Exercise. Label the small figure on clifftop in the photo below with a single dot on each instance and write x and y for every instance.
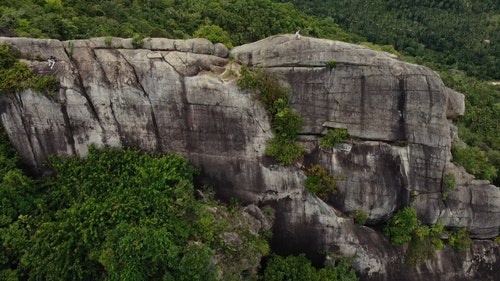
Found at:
(297, 35)
(52, 62)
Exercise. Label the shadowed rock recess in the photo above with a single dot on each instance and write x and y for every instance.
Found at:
(181, 96)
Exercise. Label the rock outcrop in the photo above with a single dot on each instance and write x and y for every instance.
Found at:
(181, 96)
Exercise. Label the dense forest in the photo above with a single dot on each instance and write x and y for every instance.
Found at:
(461, 34)
(64, 218)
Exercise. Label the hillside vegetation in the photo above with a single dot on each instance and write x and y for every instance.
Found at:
(85, 224)
(459, 34)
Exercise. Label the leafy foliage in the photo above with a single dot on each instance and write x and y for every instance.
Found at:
(118, 214)
(320, 182)
(475, 162)
(331, 64)
(457, 34)
(137, 41)
(16, 76)
(284, 151)
(449, 181)
(76, 19)
(401, 226)
(333, 137)
(297, 268)
(360, 217)
(423, 241)
(479, 127)
(460, 240)
(214, 33)
(285, 124)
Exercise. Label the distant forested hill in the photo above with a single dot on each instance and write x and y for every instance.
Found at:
(464, 34)
(235, 22)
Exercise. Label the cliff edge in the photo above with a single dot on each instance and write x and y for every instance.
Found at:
(181, 96)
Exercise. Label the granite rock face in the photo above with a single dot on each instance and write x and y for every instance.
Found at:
(181, 96)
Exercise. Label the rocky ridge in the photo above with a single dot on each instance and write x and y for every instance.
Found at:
(181, 96)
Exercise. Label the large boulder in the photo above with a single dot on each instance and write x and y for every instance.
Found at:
(182, 96)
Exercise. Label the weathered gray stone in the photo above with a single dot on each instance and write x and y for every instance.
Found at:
(221, 50)
(174, 95)
(159, 44)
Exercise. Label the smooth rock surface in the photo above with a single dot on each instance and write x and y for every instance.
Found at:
(174, 95)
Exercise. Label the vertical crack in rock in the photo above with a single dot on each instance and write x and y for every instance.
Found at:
(118, 126)
(27, 129)
(68, 128)
(153, 115)
(401, 109)
(190, 143)
(431, 101)
(185, 110)
(83, 91)
(362, 104)
(91, 105)
(108, 82)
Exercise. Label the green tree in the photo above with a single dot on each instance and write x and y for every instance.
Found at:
(298, 268)
(117, 214)
(401, 226)
(214, 33)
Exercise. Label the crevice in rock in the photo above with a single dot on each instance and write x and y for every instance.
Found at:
(402, 110)
(85, 94)
(185, 105)
(153, 115)
(362, 103)
(67, 128)
(27, 131)
(118, 126)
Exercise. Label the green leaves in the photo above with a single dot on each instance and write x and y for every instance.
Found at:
(299, 268)
(320, 182)
(475, 161)
(16, 76)
(285, 124)
(423, 240)
(401, 226)
(119, 214)
(214, 33)
(333, 137)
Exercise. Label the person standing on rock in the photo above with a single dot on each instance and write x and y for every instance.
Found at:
(52, 62)
(297, 35)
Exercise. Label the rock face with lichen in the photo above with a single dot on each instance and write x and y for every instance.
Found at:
(182, 96)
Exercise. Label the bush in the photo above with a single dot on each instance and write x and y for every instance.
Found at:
(108, 40)
(460, 240)
(47, 85)
(285, 124)
(449, 181)
(360, 217)
(319, 182)
(7, 59)
(137, 41)
(475, 162)
(215, 34)
(119, 215)
(284, 151)
(331, 64)
(16, 77)
(401, 226)
(424, 243)
(299, 268)
(333, 137)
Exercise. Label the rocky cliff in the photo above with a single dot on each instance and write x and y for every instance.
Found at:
(182, 96)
